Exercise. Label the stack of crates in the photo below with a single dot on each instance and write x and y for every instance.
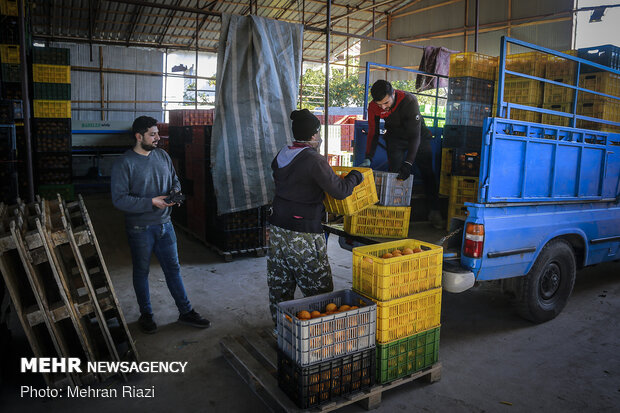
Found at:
(51, 124)
(189, 146)
(11, 115)
(471, 85)
(329, 351)
(406, 286)
(600, 81)
(390, 217)
(559, 98)
(462, 189)
(521, 90)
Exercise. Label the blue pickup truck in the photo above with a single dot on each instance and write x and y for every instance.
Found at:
(548, 201)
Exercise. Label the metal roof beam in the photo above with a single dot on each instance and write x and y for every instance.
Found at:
(134, 20)
(342, 16)
(169, 16)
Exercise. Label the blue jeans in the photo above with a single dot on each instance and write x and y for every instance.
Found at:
(161, 240)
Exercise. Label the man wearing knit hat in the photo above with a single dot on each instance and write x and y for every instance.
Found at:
(298, 249)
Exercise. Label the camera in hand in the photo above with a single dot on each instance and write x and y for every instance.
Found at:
(175, 197)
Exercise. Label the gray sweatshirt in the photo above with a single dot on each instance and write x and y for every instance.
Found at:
(136, 179)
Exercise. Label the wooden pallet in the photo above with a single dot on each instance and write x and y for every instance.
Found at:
(254, 357)
(227, 255)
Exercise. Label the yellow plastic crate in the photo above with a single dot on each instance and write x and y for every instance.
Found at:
(522, 91)
(379, 221)
(446, 159)
(444, 183)
(408, 315)
(52, 108)
(608, 110)
(51, 73)
(560, 68)
(9, 7)
(530, 63)
(557, 120)
(473, 64)
(9, 53)
(463, 189)
(364, 195)
(604, 82)
(390, 278)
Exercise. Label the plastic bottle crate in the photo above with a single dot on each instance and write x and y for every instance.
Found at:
(54, 177)
(325, 382)
(392, 191)
(467, 113)
(554, 94)
(403, 317)
(608, 110)
(473, 64)
(52, 91)
(390, 278)
(558, 67)
(51, 56)
(53, 161)
(52, 127)
(523, 91)
(51, 73)
(327, 337)
(604, 82)
(607, 55)
(364, 194)
(446, 159)
(465, 162)
(445, 179)
(11, 72)
(557, 120)
(52, 108)
(379, 221)
(9, 8)
(461, 136)
(530, 63)
(67, 191)
(407, 356)
(9, 53)
(470, 89)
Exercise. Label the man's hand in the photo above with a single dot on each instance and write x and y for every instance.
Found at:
(404, 171)
(159, 202)
(365, 163)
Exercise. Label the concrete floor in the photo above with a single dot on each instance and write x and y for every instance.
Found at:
(493, 361)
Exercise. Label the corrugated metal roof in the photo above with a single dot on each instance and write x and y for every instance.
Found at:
(173, 23)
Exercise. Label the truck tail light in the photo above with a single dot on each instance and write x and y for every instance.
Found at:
(474, 240)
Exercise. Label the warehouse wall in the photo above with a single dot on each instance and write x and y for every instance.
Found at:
(125, 95)
(444, 26)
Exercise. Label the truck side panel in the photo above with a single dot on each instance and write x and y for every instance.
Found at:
(515, 234)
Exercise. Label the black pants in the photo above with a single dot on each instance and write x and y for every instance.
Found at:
(396, 152)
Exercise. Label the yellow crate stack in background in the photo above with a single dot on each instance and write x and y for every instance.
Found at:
(407, 290)
(463, 189)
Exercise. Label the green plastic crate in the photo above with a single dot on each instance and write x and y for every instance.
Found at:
(408, 355)
(50, 56)
(52, 91)
(67, 191)
(11, 72)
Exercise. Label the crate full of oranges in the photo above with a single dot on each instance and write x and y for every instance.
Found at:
(326, 326)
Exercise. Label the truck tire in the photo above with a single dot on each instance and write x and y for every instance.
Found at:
(545, 289)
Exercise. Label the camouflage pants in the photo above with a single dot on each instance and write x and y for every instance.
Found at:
(296, 258)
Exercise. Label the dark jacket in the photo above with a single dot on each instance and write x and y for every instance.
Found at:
(302, 176)
(403, 122)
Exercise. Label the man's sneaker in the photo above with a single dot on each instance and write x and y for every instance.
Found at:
(435, 219)
(194, 319)
(146, 323)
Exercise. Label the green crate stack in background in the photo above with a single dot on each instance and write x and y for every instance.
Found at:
(51, 74)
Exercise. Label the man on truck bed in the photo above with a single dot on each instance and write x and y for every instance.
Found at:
(406, 134)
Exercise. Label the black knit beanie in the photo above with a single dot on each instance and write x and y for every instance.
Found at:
(305, 124)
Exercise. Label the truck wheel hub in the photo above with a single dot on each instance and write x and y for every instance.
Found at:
(550, 281)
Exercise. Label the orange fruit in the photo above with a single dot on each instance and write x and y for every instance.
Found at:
(315, 314)
(397, 254)
(397, 251)
(288, 318)
(354, 307)
(344, 307)
(368, 260)
(407, 251)
(387, 255)
(303, 315)
(323, 314)
(417, 249)
(330, 307)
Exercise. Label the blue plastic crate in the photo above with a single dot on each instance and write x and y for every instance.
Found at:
(608, 55)
(467, 113)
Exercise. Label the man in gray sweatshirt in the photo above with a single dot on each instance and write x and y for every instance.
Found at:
(142, 178)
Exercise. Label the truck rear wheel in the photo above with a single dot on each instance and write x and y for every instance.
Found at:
(545, 289)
